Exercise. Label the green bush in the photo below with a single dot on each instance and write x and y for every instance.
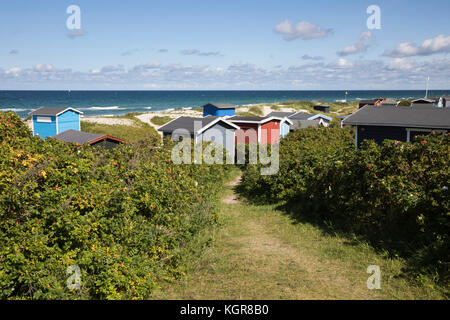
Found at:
(404, 103)
(395, 195)
(123, 215)
(300, 152)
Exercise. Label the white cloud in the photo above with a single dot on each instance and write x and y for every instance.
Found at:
(344, 63)
(400, 64)
(150, 85)
(431, 46)
(76, 33)
(360, 46)
(43, 67)
(308, 57)
(13, 71)
(129, 52)
(304, 30)
(401, 73)
(190, 52)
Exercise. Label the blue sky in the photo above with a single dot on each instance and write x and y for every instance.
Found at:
(171, 44)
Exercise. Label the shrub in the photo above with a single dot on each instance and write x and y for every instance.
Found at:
(12, 127)
(395, 195)
(300, 152)
(122, 215)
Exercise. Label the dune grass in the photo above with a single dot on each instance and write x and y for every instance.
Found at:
(138, 131)
(255, 110)
(160, 120)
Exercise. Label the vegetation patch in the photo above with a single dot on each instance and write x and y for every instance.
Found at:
(139, 131)
(395, 196)
(256, 110)
(160, 120)
(125, 217)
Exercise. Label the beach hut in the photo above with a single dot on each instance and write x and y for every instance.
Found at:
(402, 124)
(285, 126)
(93, 139)
(219, 109)
(259, 129)
(49, 121)
(295, 116)
(323, 119)
(322, 108)
(302, 124)
(208, 129)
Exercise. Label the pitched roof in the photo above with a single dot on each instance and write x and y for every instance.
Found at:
(427, 106)
(193, 125)
(301, 116)
(308, 116)
(280, 114)
(368, 101)
(221, 105)
(437, 118)
(259, 120)
(246, 118)
(52, 111)
(299, 124)
(82, 137)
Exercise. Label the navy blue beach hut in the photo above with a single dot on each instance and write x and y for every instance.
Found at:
(49, 121)
(219, 109)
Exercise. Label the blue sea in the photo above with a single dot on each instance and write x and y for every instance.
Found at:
(94, 103)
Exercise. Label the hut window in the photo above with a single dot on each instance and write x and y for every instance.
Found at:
(44, 119)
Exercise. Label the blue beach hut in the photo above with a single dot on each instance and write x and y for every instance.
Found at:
(219, 109)
(49, 121)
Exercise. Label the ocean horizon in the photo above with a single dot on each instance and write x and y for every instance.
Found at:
(114, 102)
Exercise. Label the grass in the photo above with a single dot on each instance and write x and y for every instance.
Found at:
(336, 108)
(339, 108)
(246, 114)
(259, 252)
(405, 103)
(255, 110)
(138, 131)
(160, 120)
